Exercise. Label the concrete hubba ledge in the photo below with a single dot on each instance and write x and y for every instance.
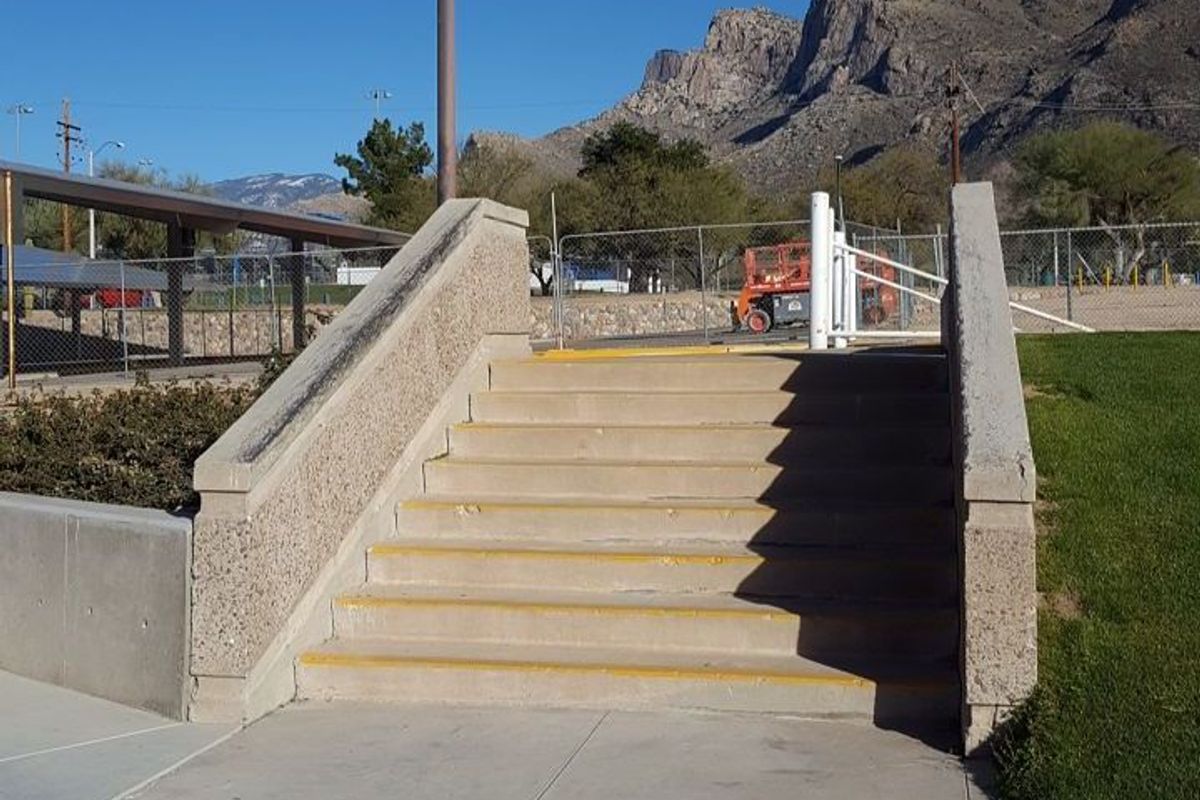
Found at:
(997, 483)
(95, 598)
(310, 475)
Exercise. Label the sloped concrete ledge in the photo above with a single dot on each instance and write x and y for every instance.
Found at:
(95, 598)
(311, 466)
(997, 479)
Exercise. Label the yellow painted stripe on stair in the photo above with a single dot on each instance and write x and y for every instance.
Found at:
(589, 608)
(689, 350)
(586, 508)
(399, 551)
(353, 661)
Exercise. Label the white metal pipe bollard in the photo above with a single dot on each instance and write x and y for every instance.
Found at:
(822, 267)
(840, 267)
(850, 293)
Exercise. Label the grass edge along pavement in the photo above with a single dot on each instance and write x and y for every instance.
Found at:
(1115, 422)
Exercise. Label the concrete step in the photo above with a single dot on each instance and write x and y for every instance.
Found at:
(910, 445)
(878, 573)
(666, 621)
(677, 522)
(864, 372)
(878, 409)
(651, 480)
(524, 675)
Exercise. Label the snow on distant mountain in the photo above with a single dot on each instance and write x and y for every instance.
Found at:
(277, 190)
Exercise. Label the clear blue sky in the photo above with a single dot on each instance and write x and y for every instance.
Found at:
(224, 89)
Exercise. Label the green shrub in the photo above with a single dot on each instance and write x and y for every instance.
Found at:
(134, 447)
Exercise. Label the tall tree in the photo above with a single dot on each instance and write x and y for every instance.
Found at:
(905, 184)
(1108, 173)
(390, 170)
(642, 181)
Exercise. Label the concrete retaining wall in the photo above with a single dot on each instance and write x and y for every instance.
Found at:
(997, 483)
(602, 316)
(95, 598)
(295, 489)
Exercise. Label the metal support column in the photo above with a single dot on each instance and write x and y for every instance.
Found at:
(181, 244)
(822, 252)
(10, 286)
(447, 104)
(703, 284)
(299, 292)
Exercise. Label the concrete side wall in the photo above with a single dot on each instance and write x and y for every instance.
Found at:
(291, 480)
(95, 598)
(997, 479)
(597, 316)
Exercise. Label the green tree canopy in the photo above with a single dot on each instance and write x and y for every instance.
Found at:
(905, 184)
(390, 171)
(639, 181)
(1108, 173)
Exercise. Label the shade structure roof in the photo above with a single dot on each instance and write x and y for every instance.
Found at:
(34, 266)
(192, 211)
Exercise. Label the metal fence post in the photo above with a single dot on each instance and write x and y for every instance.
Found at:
(124, 321)
(10, 289)
(1070, 266)
(703, 284)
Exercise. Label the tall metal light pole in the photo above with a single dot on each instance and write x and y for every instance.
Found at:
(91, 174)
(378, 95)
(18, 111)
(447, 122)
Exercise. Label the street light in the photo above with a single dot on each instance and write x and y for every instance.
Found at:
(91, 174)
(18, 111)
(378, 95)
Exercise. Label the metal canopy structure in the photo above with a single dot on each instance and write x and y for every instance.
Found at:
(190, 211)
(184, 214)
(34, 266)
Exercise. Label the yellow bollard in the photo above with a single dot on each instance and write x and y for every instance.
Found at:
(1137, 277)
(1107, 277)
(1167, 274)
(1081, 279)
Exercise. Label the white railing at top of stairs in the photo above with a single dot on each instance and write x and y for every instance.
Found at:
(835, 280)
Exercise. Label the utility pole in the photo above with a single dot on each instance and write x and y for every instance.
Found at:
(447, 122)
(67, 132)
(953, 84)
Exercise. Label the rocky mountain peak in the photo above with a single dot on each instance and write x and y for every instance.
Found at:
(777, 98)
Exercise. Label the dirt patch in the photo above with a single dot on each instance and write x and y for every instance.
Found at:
(1064, 605)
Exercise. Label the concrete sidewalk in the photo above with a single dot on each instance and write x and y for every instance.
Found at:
(58, 744)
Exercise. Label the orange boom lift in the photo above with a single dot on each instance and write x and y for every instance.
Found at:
(778, 289)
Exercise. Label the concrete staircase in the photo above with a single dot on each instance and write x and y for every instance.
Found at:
(768, 533)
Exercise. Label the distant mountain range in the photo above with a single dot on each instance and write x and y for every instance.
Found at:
(316, 193)
(276, 190)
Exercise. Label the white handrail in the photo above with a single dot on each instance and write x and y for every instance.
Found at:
(908, 289)
(896, 265)
(1050, 317)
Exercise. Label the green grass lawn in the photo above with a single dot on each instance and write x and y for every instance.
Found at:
(1115, 421)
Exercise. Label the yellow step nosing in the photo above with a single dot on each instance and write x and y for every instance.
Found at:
(715, 560)
(574, 427)
(676, 673)
(589, 508)
(599, 610)
(618, 354)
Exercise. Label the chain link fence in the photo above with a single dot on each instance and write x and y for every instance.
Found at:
(660, 282)
(74, 315)
(1117, 278)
